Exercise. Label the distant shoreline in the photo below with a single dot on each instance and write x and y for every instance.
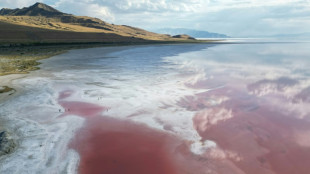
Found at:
(17, 60)
(21, 58)
(87, 44)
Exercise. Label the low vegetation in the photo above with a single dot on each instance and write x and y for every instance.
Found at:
(5, 89)
(20, 60)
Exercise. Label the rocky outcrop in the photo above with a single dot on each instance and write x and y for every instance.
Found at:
(7, 144)
(5, 89)
(38, 9)
(183, 36)
(191, 32)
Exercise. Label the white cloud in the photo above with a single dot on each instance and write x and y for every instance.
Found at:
(288, 22)
(151, 6)
(17, 3)
(232, 17)
(220, 4)
(85, 8)
(198, 6)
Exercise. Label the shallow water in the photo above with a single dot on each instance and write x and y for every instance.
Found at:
(192, 108)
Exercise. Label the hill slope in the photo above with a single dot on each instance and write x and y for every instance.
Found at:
(10, 33)
(44, 24)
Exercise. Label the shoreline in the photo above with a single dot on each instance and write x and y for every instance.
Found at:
(9, 90)
(20, 58)
(8, 139)
(6, 81)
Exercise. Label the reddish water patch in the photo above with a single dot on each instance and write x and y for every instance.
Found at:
(81, 108)
(303, 96)
(109, 146)
(65, 94)
(256, 137)
(278, 84)
(112, 146)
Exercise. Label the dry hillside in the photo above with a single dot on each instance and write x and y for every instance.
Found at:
(41, 23)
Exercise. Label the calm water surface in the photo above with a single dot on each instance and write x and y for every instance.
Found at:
(202, 108)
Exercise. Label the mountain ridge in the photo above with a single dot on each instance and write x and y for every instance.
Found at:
(39, 22)
(41, 9)
(191, 32)
(38, 9)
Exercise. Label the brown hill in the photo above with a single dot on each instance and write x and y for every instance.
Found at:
(10, 33)
(38, 9)
(41, 23)
(183, 36)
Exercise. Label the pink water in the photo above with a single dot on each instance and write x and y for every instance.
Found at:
(254, 108)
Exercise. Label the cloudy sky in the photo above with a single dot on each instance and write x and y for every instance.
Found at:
(232, 17)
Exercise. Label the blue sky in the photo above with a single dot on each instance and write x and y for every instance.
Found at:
(233, 17)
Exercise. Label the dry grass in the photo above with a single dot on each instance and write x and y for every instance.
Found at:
(46, 23)
(23, 60)
(40, 22)
(12, 33)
